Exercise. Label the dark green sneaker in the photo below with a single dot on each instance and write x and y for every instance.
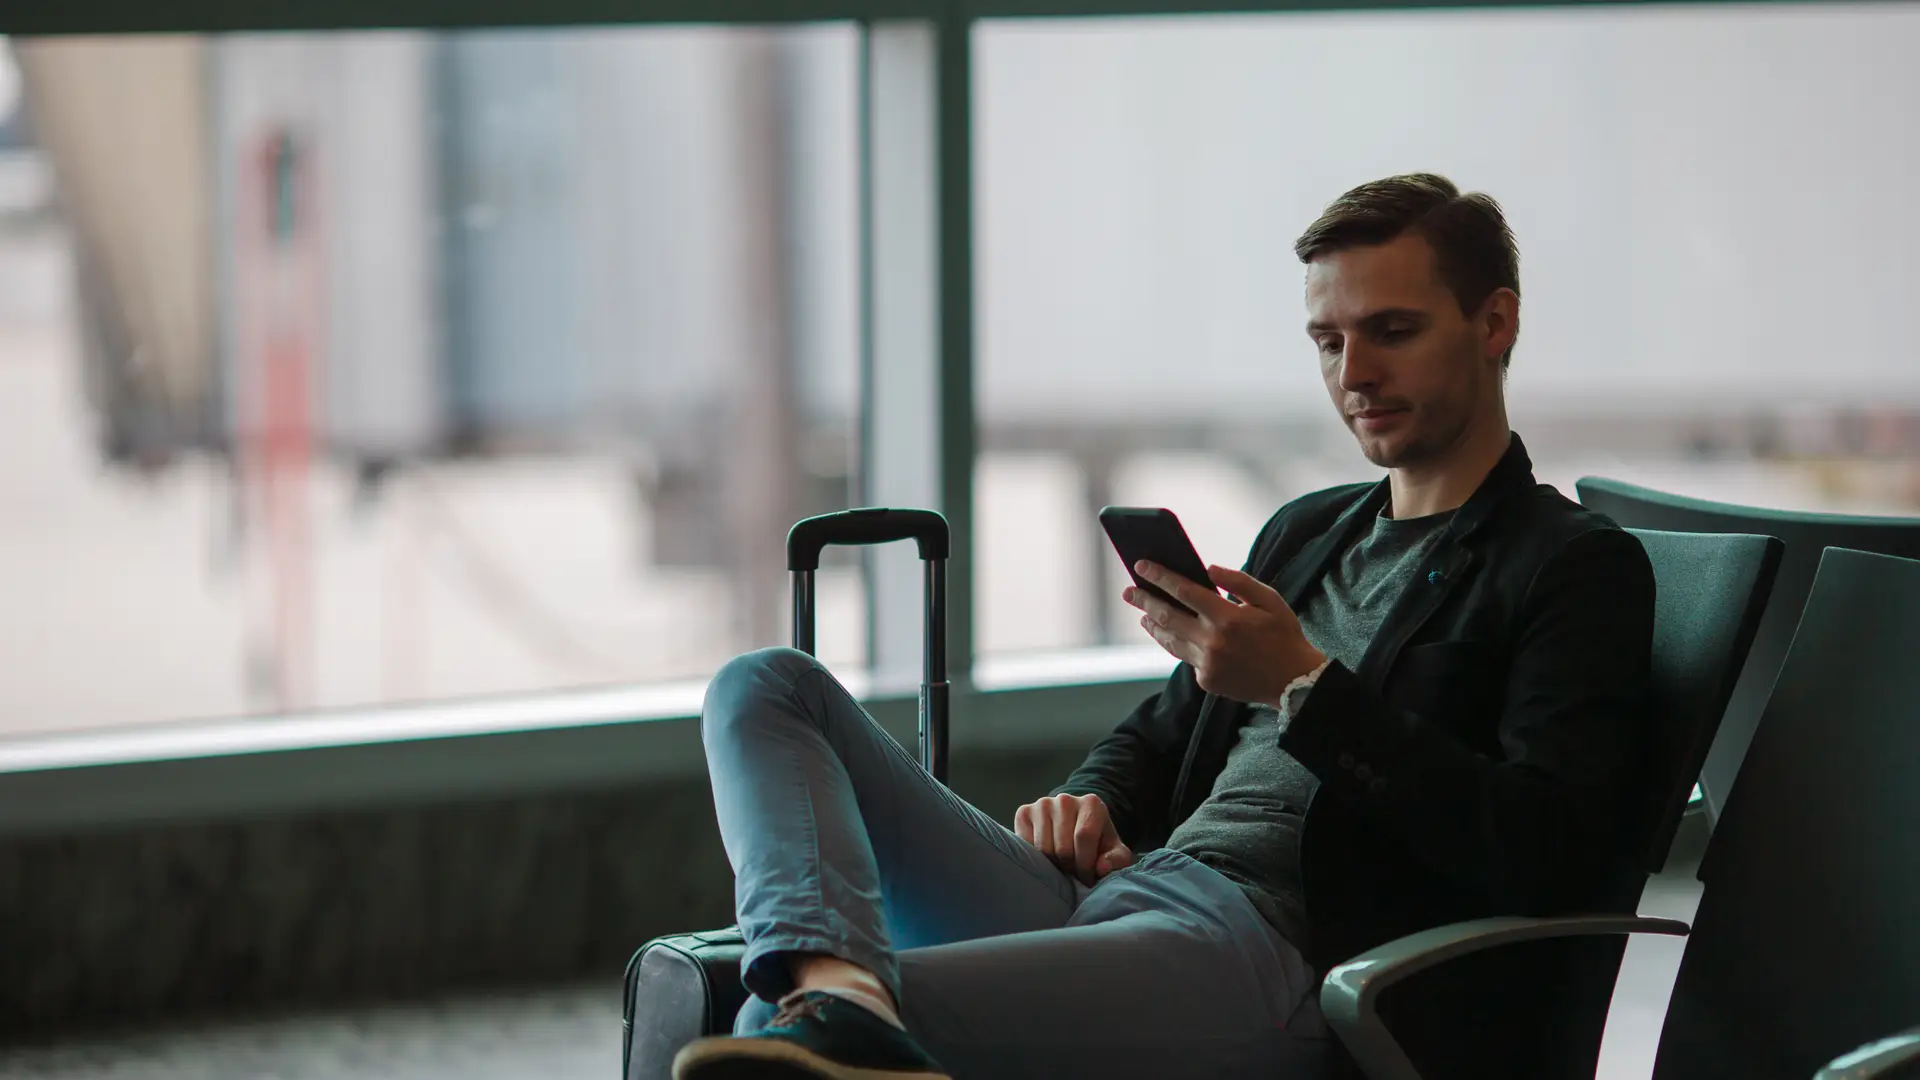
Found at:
(815, 1036)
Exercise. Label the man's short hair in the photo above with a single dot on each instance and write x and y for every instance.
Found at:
(1472, 245)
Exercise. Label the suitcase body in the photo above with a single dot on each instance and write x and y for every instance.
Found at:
(681, 987)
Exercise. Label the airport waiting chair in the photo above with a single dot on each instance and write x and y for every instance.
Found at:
(1894, 1058)
(1806, 536)
(1805, 942)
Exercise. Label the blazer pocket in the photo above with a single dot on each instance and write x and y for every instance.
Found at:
(1453, 682)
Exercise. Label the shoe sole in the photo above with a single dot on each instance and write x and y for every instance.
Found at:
(732, 1059)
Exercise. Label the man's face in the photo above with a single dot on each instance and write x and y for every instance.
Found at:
(1409, 373)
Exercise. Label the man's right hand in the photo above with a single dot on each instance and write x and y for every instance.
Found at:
(1076, 833)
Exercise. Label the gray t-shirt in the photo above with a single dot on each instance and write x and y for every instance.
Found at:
(1249, 826)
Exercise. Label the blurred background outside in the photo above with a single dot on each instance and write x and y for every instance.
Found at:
(355, 368)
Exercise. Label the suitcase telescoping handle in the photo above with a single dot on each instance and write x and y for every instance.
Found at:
(881, 525)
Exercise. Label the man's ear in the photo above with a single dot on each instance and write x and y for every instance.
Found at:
(1499, 321)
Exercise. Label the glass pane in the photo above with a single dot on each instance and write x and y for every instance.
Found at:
(1715, 230)
(382, 367)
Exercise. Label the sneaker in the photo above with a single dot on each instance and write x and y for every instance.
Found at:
(815, 1036)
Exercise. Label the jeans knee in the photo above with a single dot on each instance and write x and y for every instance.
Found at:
(747, 679)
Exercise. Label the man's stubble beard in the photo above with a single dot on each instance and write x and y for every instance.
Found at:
(1426, 445)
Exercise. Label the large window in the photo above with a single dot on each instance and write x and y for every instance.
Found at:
(371, 367)
(1717, 241)
(355, 368)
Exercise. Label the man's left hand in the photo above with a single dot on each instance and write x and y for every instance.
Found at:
(1245, 647)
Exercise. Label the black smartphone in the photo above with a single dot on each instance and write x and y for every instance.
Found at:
(1154, 534)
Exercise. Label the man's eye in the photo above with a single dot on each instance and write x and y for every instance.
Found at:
(1329, 346)
(1396, 333)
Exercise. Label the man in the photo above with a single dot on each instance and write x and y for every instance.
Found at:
(1420, 702)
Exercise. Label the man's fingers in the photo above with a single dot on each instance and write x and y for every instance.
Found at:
(1043, 825)
(1155, 607)
(1199, 599)
(1248, 588)
(1075, 833)
(1062, 823)
(1174, 585)
(1086, 841)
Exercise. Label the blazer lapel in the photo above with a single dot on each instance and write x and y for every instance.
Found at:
(1452, 557)
(1309, 566)
(1301, 573)
(1421, 598)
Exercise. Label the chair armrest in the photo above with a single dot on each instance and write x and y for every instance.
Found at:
(1876, 1059)
(1351, 990)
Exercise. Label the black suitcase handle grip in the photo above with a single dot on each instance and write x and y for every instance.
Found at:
(866, 525)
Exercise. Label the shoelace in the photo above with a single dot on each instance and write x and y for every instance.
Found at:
(798, 1006)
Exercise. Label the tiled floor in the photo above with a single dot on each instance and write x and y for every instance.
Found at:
(557, 1034)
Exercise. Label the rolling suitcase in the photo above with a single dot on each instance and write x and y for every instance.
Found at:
(684, 986)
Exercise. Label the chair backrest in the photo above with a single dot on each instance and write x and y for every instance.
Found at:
(1806, 942)
(1806, 535)
(1710, 591)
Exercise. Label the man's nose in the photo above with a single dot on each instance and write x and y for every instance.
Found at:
(1358, 367)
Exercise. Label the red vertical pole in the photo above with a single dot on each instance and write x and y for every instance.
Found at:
(281, 321)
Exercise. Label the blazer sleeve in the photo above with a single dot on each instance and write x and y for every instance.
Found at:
(1544, 816)
(1134, 769)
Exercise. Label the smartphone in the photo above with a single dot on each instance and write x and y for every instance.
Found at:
(1154, 534)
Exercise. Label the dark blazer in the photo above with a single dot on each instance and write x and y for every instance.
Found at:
(1480, 760)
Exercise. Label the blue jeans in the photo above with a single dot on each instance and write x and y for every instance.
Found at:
(1003, 965)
